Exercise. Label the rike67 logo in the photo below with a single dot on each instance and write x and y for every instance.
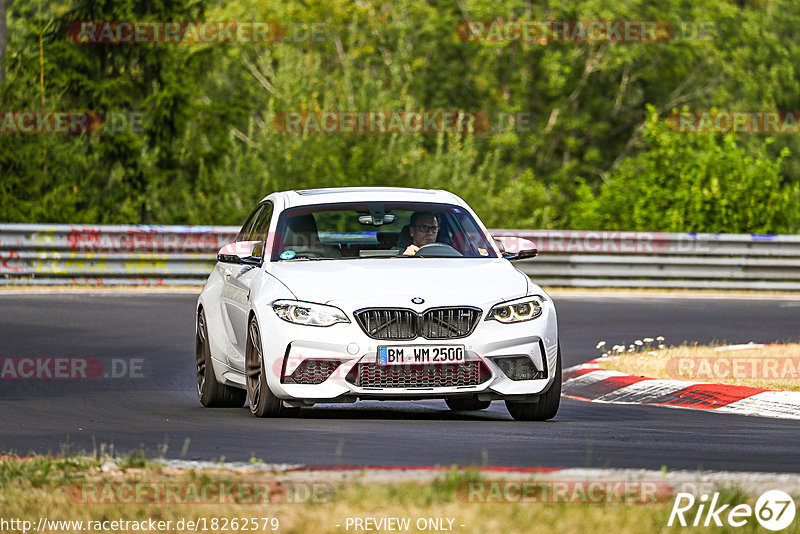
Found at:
(774, 510)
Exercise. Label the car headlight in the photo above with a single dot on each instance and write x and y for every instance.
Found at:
(516, 311)
(308, 313)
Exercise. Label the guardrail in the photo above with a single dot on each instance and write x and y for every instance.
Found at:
(666, 260)
(33, 254)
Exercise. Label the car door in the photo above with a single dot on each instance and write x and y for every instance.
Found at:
(236, 287)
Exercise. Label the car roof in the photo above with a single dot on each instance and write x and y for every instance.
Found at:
(331, 195)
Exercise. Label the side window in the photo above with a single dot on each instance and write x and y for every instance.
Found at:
(260, 229)
(244, 233)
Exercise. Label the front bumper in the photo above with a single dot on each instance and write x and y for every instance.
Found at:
(288, 346)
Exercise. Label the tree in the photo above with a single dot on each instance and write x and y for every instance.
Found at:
(2, 44)
(687, 182)
(209, 148)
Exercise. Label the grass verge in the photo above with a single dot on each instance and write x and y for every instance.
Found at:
(774, 367)
(68, 490)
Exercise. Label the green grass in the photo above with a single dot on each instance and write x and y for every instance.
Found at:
(44, 486)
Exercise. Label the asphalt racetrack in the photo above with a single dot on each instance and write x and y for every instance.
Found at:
(147, 340)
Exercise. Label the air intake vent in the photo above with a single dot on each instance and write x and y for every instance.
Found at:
(372, 375)
(519, 368)
(312, 372)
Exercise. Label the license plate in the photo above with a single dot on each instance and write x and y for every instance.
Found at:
(411, 354)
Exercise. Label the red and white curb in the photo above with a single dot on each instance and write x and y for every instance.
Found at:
(589, 381)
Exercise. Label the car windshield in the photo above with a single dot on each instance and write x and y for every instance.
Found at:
(378, 230)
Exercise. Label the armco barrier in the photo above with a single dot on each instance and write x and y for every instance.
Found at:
(36, 254)
(669, 260)
(184, 255)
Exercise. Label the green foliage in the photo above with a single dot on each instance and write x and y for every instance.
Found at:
(37, 471)
(136, 459)
(596, 154)
(450, 486)
(691, 183)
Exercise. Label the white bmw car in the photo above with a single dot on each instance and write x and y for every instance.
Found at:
(336, 295)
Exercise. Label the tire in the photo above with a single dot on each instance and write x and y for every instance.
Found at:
(467, 404)
(212, 394)
(547, 407)
(263, 403)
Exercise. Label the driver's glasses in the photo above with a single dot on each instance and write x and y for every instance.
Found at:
(424, 228)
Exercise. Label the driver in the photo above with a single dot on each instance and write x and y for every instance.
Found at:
(423, 229)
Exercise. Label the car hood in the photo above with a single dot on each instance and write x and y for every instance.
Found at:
(394, 281)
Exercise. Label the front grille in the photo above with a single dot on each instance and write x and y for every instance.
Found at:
(372, 375)
(436, 323)
(449, 323)
(312, 372)
(388, 323)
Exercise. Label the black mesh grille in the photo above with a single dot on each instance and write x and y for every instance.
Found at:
(372, 375)
(312, 372)
(437, 323)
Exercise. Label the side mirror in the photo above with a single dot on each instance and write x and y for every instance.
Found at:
(516, 248)
(240, 253)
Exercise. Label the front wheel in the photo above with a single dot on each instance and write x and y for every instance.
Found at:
(547, 407)
(212, 394)
(263, 403)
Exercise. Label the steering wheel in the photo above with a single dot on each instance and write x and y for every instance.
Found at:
(437, 250)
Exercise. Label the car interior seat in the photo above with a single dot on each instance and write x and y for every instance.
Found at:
(302, 236)
(405, 238)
